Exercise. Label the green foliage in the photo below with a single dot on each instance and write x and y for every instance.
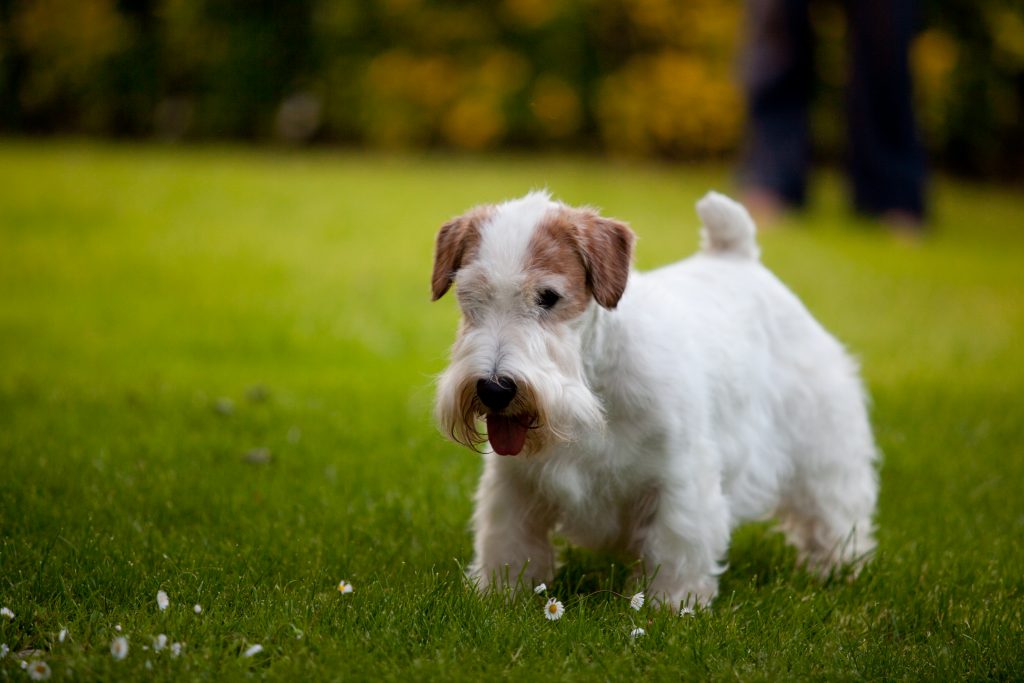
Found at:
(140, 287)
(634, 77)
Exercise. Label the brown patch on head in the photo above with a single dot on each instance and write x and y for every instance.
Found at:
(457, 243)
(591, 253)
(554, 250)
(607, 251)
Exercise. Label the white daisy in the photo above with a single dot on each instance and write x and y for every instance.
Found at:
(119, 648)
(24, 664)
(161, 600)
(553, 610)
(117, 627)
(149, 664)
(686, 612)
(636, 633)
(176, 649)
(6, 612)
(39, 671)
(159, 643)
(637, 601)
(4, 650)
(62, 635)
(253, 650)
(345, 587)
(540, 588)
(197, 608)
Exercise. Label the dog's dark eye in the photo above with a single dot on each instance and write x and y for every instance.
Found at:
(547, 298)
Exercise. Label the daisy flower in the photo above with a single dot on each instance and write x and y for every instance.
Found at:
(159, 643)
(636, 633)
(6, 612)
(253, 650)
(540, 588)
(197, 608)
(553, 610)
(119, 648)
(39, 671)
(161, 600)
(117, 627)
(637, 601)
(176, 649)
(4, 650)
(62, 635)
(345, 587)
(24, 664)
(686, 612)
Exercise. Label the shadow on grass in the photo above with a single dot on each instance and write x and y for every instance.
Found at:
(587, 572)
(758, 559)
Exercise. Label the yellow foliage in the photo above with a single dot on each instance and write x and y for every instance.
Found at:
(713, 25)
(503, 71)
(399, 6)
(933, 56)
(530, 13)
(67, 40)
(475, 122)
(430, 82)
(556, 106)
(331, 17)
(188, 36)
(441, 25)
(1007, 28)
(669, 102)
(410, 97)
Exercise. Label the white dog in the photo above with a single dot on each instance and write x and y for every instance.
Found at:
(649, 412)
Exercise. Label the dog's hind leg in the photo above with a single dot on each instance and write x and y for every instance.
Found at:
(827, 511)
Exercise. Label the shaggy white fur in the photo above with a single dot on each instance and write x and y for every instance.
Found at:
(708, 396)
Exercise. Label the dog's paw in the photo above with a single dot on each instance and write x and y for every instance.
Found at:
(505, 577)
(684, 595)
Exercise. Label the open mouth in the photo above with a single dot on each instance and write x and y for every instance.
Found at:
(507, 433)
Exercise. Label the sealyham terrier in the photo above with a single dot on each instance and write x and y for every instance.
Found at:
(646, 412)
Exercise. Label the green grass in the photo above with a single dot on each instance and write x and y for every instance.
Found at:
(139, 287)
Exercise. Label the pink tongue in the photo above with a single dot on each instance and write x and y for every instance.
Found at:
(507, 434)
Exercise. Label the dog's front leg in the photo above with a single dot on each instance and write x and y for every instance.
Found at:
(511, 529)
(688, 535)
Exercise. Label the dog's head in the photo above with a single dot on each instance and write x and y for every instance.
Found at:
(525, 274)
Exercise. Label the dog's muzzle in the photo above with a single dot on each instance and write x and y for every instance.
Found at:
(507, 433)
(496, 393)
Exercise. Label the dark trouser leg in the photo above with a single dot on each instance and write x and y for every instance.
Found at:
(777, 76)
(886, 161)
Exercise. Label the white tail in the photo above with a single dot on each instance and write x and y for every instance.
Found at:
(728, 228)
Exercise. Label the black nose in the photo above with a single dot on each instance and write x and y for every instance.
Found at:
(496, 392)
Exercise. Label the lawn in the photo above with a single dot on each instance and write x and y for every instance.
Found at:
(215, 381)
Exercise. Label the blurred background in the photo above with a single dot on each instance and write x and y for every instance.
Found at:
(217, 343)
(643, 78)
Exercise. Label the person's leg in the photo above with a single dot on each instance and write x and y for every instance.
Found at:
(886, 160)
(777, 76)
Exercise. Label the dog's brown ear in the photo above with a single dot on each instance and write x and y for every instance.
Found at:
(455, 240)
(607, 247)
